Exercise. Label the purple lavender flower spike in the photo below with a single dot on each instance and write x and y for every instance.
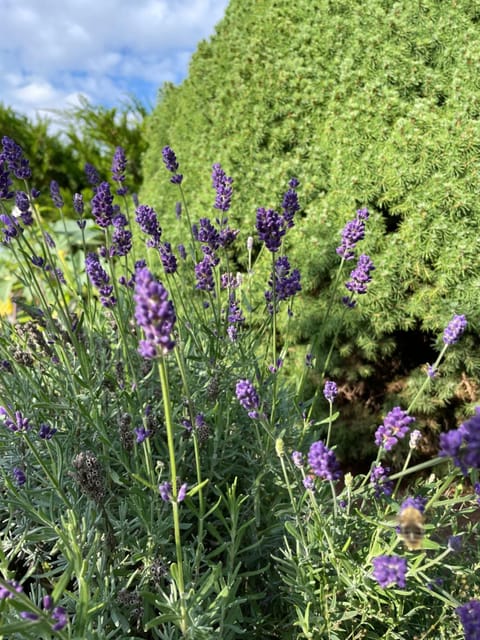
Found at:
(121, 242)
(100, 279)
(290, 203)
(102, 205)
(270, 227)
(119, 164)
(463, 444)
(78, 203)
(469, 614)
(360, 276)
(353, 232)
(154, 313)
(60, 616)
(8, 592)
(170, 161)
(5, 181)
(223, 187)
(93, 177)
(146, 217)
(142, 433)
(380, 482)
(12, 155)
(297, 459)
(165, 489)
(330, 390)
(394, 427)
(19, 476)
(56, 195)
(182, 492)
(204, 270)
(323, 462)
(454, 329)
(207, 234)
(390, 570)
(235, 318)
(248, 398)
(286, 281)
(19, 423)
(169, 261)
(417, 503)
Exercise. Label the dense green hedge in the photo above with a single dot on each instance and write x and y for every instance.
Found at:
(369, 104)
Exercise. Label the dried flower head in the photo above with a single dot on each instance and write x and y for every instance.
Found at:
(89, 475)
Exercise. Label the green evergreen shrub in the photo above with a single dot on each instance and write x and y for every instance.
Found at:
(371, 105)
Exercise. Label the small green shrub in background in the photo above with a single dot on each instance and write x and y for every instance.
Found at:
(160, 476)
(368, 105)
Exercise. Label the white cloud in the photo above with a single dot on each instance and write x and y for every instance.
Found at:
(52, 50)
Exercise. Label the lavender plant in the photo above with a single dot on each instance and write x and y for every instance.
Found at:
(143, 400)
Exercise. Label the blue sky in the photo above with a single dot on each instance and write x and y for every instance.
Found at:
(53, 50)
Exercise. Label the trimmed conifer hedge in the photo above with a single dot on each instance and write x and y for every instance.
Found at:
(369, 105)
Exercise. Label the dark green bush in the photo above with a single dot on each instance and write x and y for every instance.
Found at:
(369, 104)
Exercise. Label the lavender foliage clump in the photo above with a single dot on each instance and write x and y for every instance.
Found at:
(390, 570)
(154, 313)
(454, 329)
(323, 461)
(352, 233)
(395, 427)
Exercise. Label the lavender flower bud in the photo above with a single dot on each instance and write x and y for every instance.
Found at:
(55, 194)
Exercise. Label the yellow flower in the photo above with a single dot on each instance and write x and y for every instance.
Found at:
(6, 308)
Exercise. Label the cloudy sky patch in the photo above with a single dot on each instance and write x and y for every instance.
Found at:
(53, 50)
